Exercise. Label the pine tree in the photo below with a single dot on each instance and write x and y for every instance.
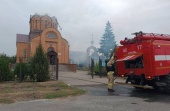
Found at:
(107, 43)
(39, 67)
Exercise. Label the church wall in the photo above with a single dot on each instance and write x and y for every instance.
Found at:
(58, 43)
(54, 45)
(21, 46)
(65, 51)
(34, 44)
(49, 42)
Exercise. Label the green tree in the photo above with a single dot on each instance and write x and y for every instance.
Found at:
(12, 59)
(9, 59)
(107, 42)
(4, 69)
(39, 67)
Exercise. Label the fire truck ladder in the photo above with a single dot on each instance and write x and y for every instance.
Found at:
(140, 33)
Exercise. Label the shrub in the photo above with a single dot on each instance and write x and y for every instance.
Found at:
(4, 69)
(96, 68)
(5, 73)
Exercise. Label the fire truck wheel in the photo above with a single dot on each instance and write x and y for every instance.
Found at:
(137, 82)
(164, 88)
(155, 87)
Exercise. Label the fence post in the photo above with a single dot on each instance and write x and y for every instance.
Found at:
(100, 67)
(92, 67)
(57, 68)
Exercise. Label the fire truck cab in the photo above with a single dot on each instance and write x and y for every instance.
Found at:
(145, 60)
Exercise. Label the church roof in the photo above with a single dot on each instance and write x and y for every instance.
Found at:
(22, 38)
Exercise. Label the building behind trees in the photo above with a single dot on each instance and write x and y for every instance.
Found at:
(44, 31)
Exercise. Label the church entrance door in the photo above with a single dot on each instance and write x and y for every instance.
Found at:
(53, 61)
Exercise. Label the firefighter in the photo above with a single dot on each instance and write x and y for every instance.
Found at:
(110, 73)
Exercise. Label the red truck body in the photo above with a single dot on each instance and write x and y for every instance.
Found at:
(146, 54)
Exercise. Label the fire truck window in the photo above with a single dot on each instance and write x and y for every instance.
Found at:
(136, 63)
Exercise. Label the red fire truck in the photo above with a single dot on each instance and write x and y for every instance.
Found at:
(145, 60)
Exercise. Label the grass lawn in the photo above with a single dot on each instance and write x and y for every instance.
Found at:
(14, 91)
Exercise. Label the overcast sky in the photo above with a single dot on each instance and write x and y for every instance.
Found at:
(80, 19)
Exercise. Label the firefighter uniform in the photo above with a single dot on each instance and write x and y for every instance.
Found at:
(110, 73)
(110, 81)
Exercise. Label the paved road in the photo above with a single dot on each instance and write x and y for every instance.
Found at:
(125, 98)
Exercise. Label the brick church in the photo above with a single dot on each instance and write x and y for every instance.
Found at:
(44, 31)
